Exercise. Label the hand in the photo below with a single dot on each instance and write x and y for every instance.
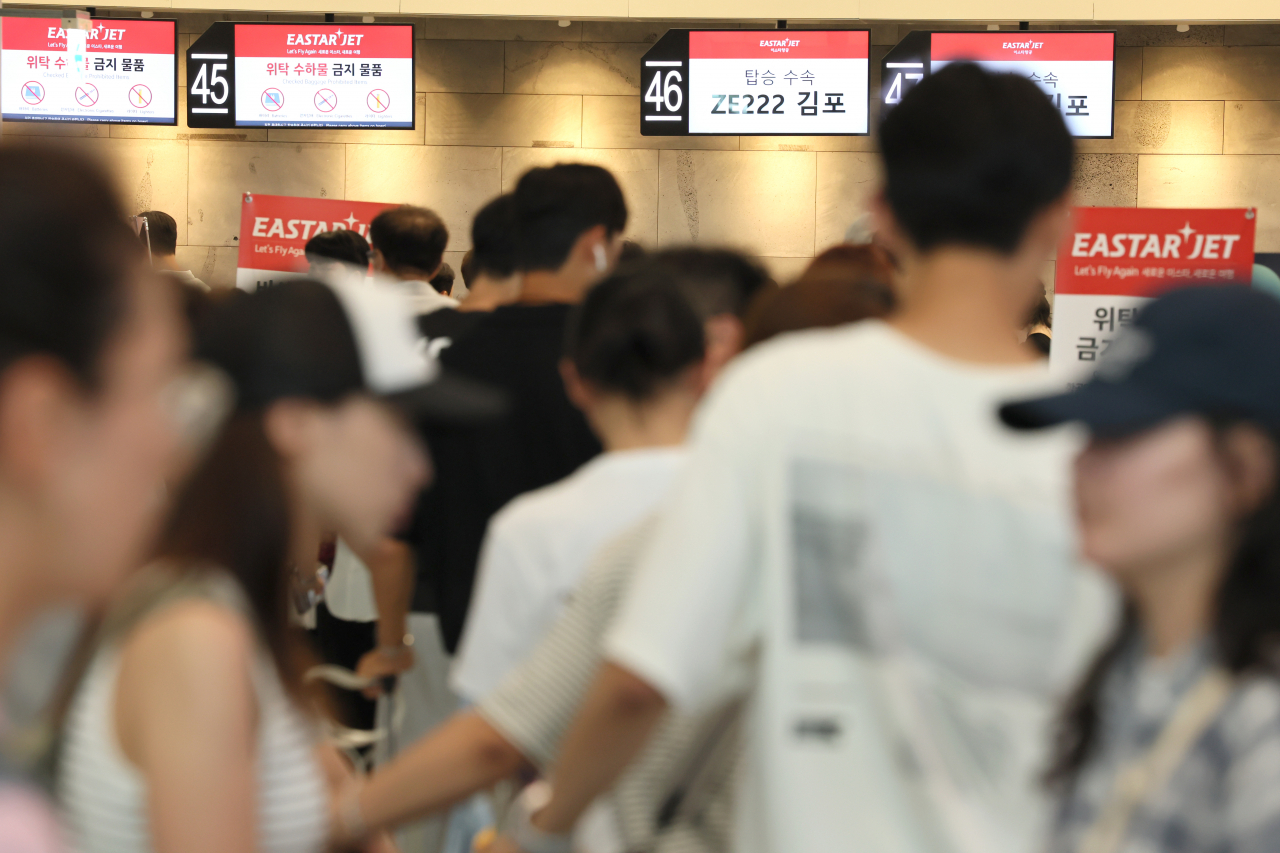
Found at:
(377, 664)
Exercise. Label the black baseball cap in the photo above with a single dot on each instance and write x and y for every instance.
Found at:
(304, 338)
(1212, 351)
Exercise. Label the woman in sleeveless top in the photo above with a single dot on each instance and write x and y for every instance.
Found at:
(90, 344)
(1172, 742)
(188, 732)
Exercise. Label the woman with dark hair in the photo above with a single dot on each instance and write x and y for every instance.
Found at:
(189, 731)
(91, 346)
(1172, 742)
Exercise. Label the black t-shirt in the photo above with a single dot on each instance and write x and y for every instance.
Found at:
(541, 439)
(444, 326)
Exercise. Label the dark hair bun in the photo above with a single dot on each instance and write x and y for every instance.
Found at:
(634, 332)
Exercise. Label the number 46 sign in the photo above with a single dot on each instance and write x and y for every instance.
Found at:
(756, 83)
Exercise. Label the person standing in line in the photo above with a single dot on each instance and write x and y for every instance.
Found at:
(91, 347)
(490, 270)
(1172, 741)
(189, 730)
(342, 252)
(858, 548)
(629, 366)
(407, 245)
(569, 222)
(1039, 328)
(442, 281)
(160, 235)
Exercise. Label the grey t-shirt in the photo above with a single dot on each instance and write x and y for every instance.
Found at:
(534, 706)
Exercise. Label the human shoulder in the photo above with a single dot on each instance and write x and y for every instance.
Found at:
(188, 641)
(1253, 715)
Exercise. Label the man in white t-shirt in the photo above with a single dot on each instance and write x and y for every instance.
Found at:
(407, 244)
(858, 547)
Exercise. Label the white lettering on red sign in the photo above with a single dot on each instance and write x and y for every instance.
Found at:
(95, 34)
(1212, 247)
(338, 38)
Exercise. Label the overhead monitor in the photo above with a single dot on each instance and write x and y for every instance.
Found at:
(1076, 70)
(301, 75)
(756, 83)
(116, 72)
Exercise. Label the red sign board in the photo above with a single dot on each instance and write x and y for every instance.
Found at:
(274, 229)
(1143, 251)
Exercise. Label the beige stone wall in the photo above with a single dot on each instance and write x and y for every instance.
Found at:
(1197, 124)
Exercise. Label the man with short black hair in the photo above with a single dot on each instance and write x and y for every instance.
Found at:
(160, 235)
(340, 246)
(858, 550)
(408, 245)
(569, 220)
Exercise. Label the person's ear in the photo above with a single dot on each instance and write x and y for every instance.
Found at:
(38, 402)
(1251, 459)
(577, 389)
(725, 336)
(1047, 227)
(591, 250)
(290, 426)
(888, 231)
(379, 262)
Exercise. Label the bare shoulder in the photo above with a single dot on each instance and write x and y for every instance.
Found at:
(194, 632)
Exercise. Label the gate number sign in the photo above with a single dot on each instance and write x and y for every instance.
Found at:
(756, 83)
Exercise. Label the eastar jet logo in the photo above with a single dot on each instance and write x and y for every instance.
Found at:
(1209, 247)
(1023, 46)
(287, 229)
(334, 39)
(779, 45)
(95, 34)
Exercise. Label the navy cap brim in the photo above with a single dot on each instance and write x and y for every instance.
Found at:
(1106, 408)
(451, 400)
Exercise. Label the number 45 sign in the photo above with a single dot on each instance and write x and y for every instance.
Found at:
(211, 79)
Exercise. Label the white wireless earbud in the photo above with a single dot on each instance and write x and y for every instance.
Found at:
(602, 260)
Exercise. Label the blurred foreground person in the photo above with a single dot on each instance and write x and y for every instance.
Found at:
(1173, 740)
(523, 720)
(90, 352)
(858, 548)
(189, 731)
(844, 284)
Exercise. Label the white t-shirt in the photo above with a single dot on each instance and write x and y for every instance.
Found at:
(349, 591)
(426, 298)
(538, 547)
(889, 574)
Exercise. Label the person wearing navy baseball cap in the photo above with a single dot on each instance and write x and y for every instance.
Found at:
(1175, 732)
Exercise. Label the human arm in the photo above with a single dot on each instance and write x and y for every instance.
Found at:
(391, 570)
(461, 757)
(617, 718)
(186, 718)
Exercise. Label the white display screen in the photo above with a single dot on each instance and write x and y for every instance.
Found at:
(323, 75)
(119, 71)
(1075, 70)
(790, 82)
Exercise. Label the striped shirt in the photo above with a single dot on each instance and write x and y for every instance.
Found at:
(535, 704)
(1225, 795)
(104, 797)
